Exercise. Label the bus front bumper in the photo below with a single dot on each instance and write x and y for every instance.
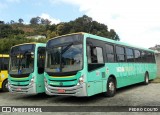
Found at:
(29, 89)
(78, 90)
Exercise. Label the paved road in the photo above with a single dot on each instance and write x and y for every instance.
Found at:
(136, 95)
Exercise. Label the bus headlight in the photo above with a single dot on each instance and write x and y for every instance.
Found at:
(45, 80)
(32, 81)
(9, 86)
(81, 79)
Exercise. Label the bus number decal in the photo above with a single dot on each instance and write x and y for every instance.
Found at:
(120, 69)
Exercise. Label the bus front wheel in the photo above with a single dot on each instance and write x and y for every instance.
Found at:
(5, 86)
(111, 87)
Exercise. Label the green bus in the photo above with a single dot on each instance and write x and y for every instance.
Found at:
(83, 64)
(26, 68)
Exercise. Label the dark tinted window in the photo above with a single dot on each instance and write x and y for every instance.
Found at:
(150, 57)
(23, 48)
(110, 53)
(120, 54)
(144, 56)
(65, 40)
(4, 63)
(119, 50)
(129, 55)
(137, 55)
(153, 58)
(41, 59)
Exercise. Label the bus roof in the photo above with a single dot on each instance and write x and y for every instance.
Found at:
(4, 55)
(105, 39)
(117, 42)
(67, 35)
(26, 44)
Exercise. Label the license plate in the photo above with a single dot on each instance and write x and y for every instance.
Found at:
(19, 89)
(61, 91)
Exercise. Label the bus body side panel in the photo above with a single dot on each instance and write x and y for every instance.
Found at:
(152, 71)
(131, 70)
(95, 81)
(139, 72)
(111, 70)
(40, 83)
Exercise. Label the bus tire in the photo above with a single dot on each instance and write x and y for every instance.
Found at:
(146, 79)
(5, 86)
(111, 87)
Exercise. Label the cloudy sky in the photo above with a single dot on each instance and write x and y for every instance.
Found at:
(137, 22)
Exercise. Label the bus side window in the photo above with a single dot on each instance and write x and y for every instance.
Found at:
(120, 54)
(41, 59)
(0, 64)
(95, 57)
(137, 54)
(110, 53)
(5, 61)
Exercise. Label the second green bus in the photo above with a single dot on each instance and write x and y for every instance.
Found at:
(26, 68)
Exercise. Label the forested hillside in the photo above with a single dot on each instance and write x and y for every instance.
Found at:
(12, 33)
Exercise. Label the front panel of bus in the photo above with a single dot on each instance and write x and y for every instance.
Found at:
(23, 72)
(64, 67)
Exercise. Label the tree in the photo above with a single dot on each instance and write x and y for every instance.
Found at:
(113, 35)
(20, 20)
(35, 20)
(12, 22)
(45, 21)
(1, 22)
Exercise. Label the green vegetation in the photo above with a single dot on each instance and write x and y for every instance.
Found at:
(16, 32)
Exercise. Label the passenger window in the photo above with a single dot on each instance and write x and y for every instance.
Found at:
(5, 62)
(95, 57)
(110, 53)
(95, 54)
(144, 56)
(129, 55)
(120, 54)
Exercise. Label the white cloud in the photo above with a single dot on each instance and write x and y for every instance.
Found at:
(47, 16)
(136, 21)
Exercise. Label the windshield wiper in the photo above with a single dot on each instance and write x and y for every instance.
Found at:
(20, 60)
(66, 48)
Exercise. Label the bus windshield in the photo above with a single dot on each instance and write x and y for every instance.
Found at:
(64, 57)
(22, 59)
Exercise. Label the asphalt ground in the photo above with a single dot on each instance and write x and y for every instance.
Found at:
(138, 95)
